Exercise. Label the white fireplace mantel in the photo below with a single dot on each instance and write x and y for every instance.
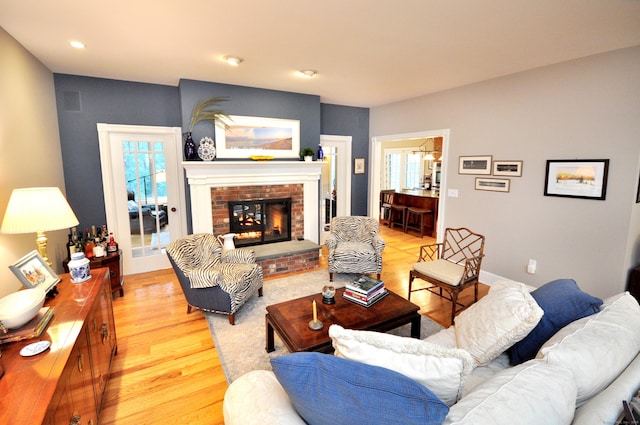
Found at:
(202, 176)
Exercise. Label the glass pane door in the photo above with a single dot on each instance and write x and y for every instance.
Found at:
(146, 181)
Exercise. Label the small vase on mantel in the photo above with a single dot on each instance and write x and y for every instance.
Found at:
(190, 149)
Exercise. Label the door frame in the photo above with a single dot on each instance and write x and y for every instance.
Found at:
(173, 171)
(343, 145)
(375, 171)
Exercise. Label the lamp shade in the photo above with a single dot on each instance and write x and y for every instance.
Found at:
(37, 209)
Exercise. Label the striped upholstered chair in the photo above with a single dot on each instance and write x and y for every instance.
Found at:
(354, 246)
(211, 280)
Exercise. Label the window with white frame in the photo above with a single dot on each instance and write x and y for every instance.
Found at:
(403, 169)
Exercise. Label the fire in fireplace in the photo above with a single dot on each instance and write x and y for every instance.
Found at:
(260, 221)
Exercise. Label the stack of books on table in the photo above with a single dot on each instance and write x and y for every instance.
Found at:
(365, 291)
(31, 329)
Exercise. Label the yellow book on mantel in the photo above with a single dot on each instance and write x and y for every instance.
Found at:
(32, 329)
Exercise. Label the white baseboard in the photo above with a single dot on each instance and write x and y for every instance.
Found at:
(489, 278)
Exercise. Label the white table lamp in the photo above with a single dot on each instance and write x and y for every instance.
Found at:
(38, 209)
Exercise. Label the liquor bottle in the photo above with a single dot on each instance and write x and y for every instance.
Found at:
(88, 245)
(113, 245)
(71, 246)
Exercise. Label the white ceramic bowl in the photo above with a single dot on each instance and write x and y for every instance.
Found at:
(18, 308)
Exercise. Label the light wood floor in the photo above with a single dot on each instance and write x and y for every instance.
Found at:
(167, 370)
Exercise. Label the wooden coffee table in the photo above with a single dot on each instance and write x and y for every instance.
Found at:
(291, 318)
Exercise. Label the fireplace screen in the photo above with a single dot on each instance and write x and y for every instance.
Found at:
(260, 221)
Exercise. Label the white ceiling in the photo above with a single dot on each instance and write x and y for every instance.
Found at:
(367, 52)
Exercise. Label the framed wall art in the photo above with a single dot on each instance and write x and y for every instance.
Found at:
(358, 166)
(258, 136)
(577, 178)
(32, 271)
(491, 184)
(475, 165)
(507, 168)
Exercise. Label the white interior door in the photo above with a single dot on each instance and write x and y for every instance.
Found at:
(143, 192)
(335, 180)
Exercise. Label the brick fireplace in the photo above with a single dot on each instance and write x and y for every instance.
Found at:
(213, 184)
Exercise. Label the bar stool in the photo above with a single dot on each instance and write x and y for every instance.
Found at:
(397, 216)
(417, 215)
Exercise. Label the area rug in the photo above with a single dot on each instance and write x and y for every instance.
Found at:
(241, 347)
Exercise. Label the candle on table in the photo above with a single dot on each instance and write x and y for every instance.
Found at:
(315, 312)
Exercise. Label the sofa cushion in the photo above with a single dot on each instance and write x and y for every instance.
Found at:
(257, 398)
(497, 321)
(326, 389)
(438, 368)
(598, 347)
(562, 302)
(531, 393)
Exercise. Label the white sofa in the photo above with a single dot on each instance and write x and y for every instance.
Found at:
(579, 376)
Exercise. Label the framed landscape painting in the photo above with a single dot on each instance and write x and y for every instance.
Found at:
(577, 178)
(475, 165)
(258, 136)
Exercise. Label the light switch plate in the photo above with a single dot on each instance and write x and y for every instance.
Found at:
(452, 193)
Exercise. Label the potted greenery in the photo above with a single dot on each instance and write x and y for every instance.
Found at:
(307, 154)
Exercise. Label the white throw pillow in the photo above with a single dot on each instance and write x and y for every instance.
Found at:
(497, 321)
(598, 347)
(257, 398)
(438, 368)
(532, 393)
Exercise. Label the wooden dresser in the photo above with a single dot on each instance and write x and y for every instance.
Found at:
(64, 385)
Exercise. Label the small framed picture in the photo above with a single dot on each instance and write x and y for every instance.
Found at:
(507, 168)
(475, 165)
(358, 166)
(494, 185)
(577, 178)
(33, 272)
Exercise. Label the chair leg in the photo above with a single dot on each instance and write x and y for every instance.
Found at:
(260, 292)
(410, 282)
(330, 277)
(378, 276)
(232, 319)
(454, 302)
(189, 309)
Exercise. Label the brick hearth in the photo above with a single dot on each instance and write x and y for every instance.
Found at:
(282, 257)
(213, 184)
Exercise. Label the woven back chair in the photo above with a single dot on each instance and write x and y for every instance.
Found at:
(450, 267)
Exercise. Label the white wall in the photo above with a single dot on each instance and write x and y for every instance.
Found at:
(30, 152)
(584, 109)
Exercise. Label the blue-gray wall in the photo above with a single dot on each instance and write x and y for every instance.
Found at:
(82, 102)
(336, 120)
(253, 102)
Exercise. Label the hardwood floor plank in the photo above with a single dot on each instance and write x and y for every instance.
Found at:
(167, 370)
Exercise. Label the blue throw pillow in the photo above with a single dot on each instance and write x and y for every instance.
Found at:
(562, 302)
(326, 389)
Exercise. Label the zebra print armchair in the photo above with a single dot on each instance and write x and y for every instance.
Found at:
(354, 246)
(211, 280)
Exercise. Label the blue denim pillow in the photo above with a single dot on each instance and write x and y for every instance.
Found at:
(562, 302)
(326, 389)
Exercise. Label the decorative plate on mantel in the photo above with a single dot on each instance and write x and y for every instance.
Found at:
(261, 157)
(207, 149)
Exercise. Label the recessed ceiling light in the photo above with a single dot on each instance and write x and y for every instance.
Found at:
(232, 60)
(308, 73)
(77, 44)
